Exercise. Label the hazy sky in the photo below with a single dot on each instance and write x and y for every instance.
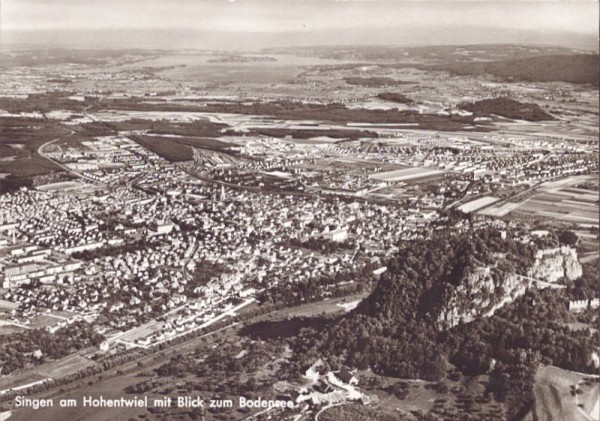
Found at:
(369, 21)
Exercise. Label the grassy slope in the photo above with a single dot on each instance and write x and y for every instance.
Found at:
(554, 400)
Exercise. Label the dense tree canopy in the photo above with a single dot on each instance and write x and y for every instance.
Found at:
(395, 331)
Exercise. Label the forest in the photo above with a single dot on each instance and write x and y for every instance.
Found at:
(573, 68)
(306, 133)
(35, 346)
(508, 108)
(394, 97)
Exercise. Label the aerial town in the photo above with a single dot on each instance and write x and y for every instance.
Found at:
(153, 225)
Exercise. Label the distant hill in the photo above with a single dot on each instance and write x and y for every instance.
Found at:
(511, 62)
(508, 108)
(29, 56)
(430, 53)
(374, 81)
(575, 68)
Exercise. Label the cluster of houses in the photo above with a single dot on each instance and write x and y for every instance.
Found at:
(50, 220)
(107, 160)
(129, 253)
(149, 235)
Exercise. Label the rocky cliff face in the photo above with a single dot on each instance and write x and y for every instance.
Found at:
(553, 264)
(480, 295)
(485, 290)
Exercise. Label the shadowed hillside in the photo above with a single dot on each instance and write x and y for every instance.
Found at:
(578, 68)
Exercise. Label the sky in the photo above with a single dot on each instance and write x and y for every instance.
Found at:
(249, 24)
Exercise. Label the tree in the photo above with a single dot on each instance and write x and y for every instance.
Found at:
(568, 238)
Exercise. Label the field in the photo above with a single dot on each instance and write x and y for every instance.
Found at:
(477, 204)
(134, 119)
(19, 379)
(561, 200)
(499, 210)
(43, 321)
(165, 147)
(408, 174)
(63, 186)
(567, 204)
(64, 367)
(140, 332)
(328, 306)
(417, 398)
(7, 305)
(556, 401)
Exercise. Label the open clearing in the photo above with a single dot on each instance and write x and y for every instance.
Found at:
(412, 173)
(64, 366)
(17, 379)
(329, 306)
(554, 400)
